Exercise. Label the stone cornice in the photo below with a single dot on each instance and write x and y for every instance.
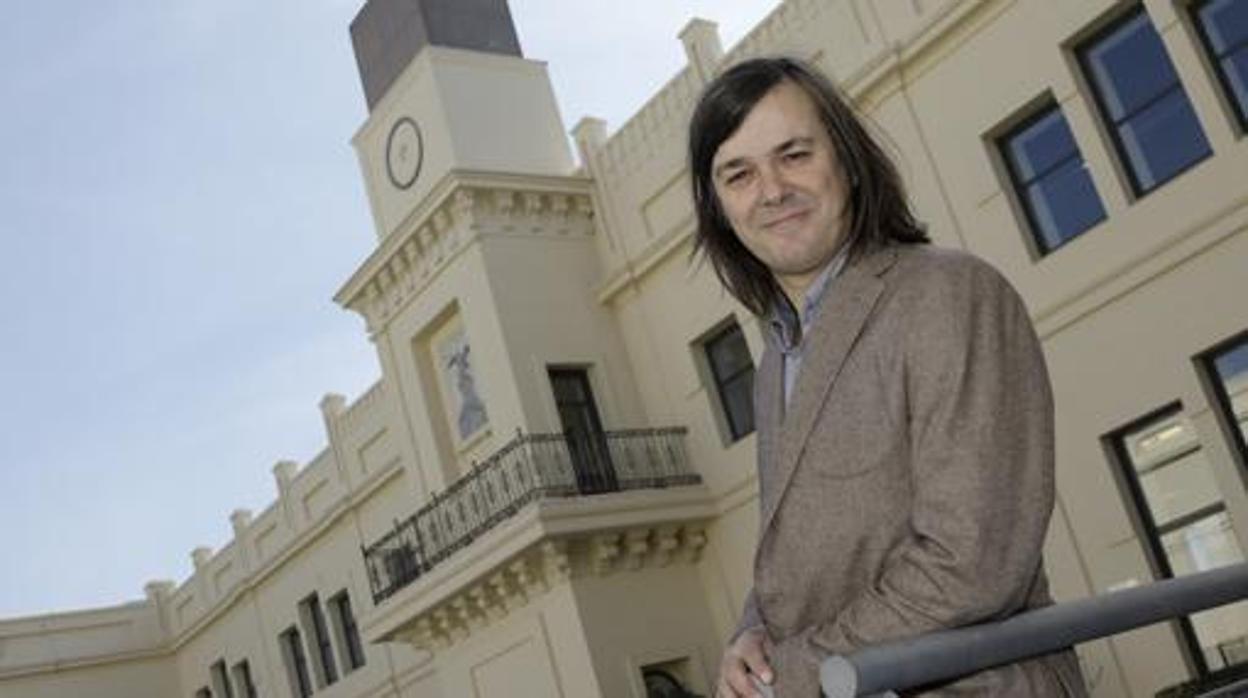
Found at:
(542, 567)
(461, 207)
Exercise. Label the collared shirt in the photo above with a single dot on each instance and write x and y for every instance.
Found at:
(791, 328)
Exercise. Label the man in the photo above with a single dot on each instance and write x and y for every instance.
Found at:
(905, 427)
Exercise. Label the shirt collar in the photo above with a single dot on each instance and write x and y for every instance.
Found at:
(787, 324)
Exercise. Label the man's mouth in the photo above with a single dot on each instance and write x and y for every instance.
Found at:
(780, 220)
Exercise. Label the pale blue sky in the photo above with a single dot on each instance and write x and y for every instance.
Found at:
(179, 202)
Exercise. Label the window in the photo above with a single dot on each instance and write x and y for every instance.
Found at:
(242, 679)
(1183, 521)
(313, 618)
(296, 663)
(732, 371)
(220, 680)
(1050, 179)
(582, 428)
(1138, 91)
(348, 633)
(1227, 366)
(1223, 26)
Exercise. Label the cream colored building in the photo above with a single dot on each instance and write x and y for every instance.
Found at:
(550, 491)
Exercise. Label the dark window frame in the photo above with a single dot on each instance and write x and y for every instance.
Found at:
(580, 421)
(220, 675)
(1082, 51)
(1228, 422)
(242, 674)
(1147, 530)
(293, 645)
(341, 604)
(1032, 115)
(1238, 110)
(724, 331)
(321, 641)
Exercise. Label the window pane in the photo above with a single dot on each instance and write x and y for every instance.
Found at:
(221, 681)
(1130, 66)
(1232, 374)
(1163, 140)
(1226, 24)
(1160, 440)
(1202, 546)
(729, 353)
(1064, 203)
(350, 631)
(1040, 146)
(1205, 545)
(732, 371)
(739, 404)
(1171, 468)
(568, 386)
(1180, 487)
(1155, 128)
(1235, 67)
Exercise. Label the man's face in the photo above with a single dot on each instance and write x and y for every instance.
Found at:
(782, 187)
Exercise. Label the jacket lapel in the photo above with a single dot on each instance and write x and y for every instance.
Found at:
(769, 401)
(851, 298)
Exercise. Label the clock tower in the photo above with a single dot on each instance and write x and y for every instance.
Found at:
(480, 291)
(448, 89)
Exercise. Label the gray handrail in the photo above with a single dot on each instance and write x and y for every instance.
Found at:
(947, 654)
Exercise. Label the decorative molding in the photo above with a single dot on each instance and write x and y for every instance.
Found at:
(463, 207)
(544, 567)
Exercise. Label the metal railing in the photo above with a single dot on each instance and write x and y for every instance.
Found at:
(947, 654)
(529, 467)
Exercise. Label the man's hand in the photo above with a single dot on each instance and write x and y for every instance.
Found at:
(744, 661)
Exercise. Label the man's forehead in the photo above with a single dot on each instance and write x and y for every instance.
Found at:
(789, 115)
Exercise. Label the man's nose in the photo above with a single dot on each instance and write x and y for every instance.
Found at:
(773, 187)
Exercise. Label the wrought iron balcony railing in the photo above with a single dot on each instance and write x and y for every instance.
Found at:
(530, 467)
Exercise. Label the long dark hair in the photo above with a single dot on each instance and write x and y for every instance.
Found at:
(879, 212)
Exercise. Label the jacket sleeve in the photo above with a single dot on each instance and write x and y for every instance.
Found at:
(980, 425)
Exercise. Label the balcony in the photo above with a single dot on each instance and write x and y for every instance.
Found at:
(530, 468)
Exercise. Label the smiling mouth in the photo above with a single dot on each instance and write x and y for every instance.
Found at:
(784, 219)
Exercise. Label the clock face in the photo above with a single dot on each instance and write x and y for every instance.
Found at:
(404, 151)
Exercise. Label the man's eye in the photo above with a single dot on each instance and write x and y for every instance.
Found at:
(736, 177)
(796, 155)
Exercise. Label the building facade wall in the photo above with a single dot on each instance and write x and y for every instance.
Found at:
(536, 281)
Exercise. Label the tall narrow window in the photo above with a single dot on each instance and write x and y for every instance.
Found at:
(220, 679)
(1183, 520)
(347, 631)
(1137, 89)
(313, 617)
(296, 663)
(732, 370)
(242, 679)
(1050, 179)
(587, 442)
(1223, 26)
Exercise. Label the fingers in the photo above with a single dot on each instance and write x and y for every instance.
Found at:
(736, 683)
(756, 660)
(744, 667)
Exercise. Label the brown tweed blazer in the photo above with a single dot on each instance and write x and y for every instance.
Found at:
(909, 486)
